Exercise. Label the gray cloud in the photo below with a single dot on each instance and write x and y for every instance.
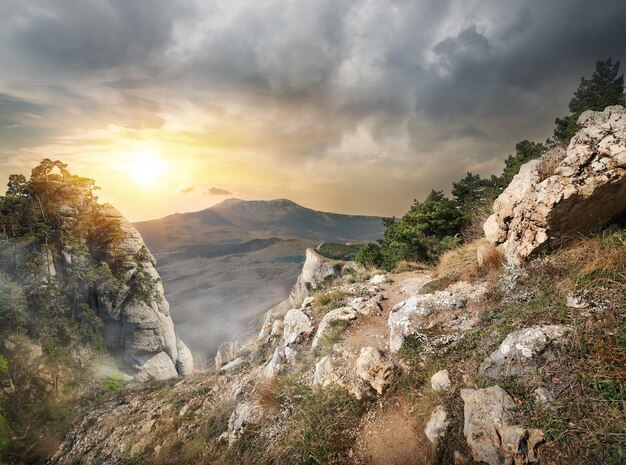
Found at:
(431, 88)
(218, 191)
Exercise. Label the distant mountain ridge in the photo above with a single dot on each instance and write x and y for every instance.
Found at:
(238, 221)
(223, 266)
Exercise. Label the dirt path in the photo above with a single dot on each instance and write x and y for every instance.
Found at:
(372, 330)
(389, 436)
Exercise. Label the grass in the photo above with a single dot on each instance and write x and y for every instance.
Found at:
(332, 336)
(461, 264)
(327, 301)
(320, 427)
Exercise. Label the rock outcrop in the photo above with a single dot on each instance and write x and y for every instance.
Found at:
(408, 317)
(525, 350)
(488, 434)
(133, 308)
(565, 192)
(297, 326)
(332, 317)
(315, 271)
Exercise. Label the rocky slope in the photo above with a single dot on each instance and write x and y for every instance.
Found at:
(223, 267)
(520, 363)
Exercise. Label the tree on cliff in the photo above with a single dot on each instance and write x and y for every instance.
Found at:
(605, 88)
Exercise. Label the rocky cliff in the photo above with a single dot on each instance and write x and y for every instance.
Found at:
(134, 310)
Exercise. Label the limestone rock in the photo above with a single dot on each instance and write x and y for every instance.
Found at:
(564, 193)
(226, 352)
(316, 270)
(233, 364)
(184, 364)
(440, 381)
(437, 424)
(488, 434)
(338, 314)
(524, 350)
(325, 374)
(543, 396)
(276, 363)
(153, 365)
(408, 317)
(245, 414)
(297, 326)
(379, 279)
(366, 305)
(138, 323)
(376, 368)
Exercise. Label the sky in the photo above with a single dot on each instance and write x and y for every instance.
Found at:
(352, 106)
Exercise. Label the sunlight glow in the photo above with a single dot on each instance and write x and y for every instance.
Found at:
(145, 168)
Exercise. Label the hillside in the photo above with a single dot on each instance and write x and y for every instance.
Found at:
(509, 352)
(82, 308)
(223, 267)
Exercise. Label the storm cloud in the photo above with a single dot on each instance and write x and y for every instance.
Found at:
(380, 100)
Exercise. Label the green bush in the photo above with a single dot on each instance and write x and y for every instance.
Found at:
(112, 382)
(370, 255)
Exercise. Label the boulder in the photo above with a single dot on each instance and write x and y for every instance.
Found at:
(245, 414)
(565, 192)
(233, 365)
(408, 317)
(325, 373)
(379, 279)
(525, 350)
(366, 305)
(297, 326)
(333, 316)
(315, 271)
(376, 368)
(488, 434)
(184, 364)
(440, 381)
(437, 424)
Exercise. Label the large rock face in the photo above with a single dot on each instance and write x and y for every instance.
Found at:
(564, 193)
(136, 316)
(315, 271)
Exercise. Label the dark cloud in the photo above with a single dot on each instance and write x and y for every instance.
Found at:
(218, 191)
(403, 85)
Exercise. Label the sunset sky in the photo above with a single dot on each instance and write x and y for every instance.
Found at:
(352, 106)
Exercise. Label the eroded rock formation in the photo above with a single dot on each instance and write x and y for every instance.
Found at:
(564, 192)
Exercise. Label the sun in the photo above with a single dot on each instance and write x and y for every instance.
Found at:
(145, 168)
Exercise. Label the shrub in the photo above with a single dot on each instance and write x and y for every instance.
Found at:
(112, 382)
(369, 255)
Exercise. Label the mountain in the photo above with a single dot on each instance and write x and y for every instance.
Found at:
(224, 266)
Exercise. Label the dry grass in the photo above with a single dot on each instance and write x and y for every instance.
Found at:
(549, 163)
(473, 229)
(267, 394)
(601, 259)
(403, 266)
(461, 264)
